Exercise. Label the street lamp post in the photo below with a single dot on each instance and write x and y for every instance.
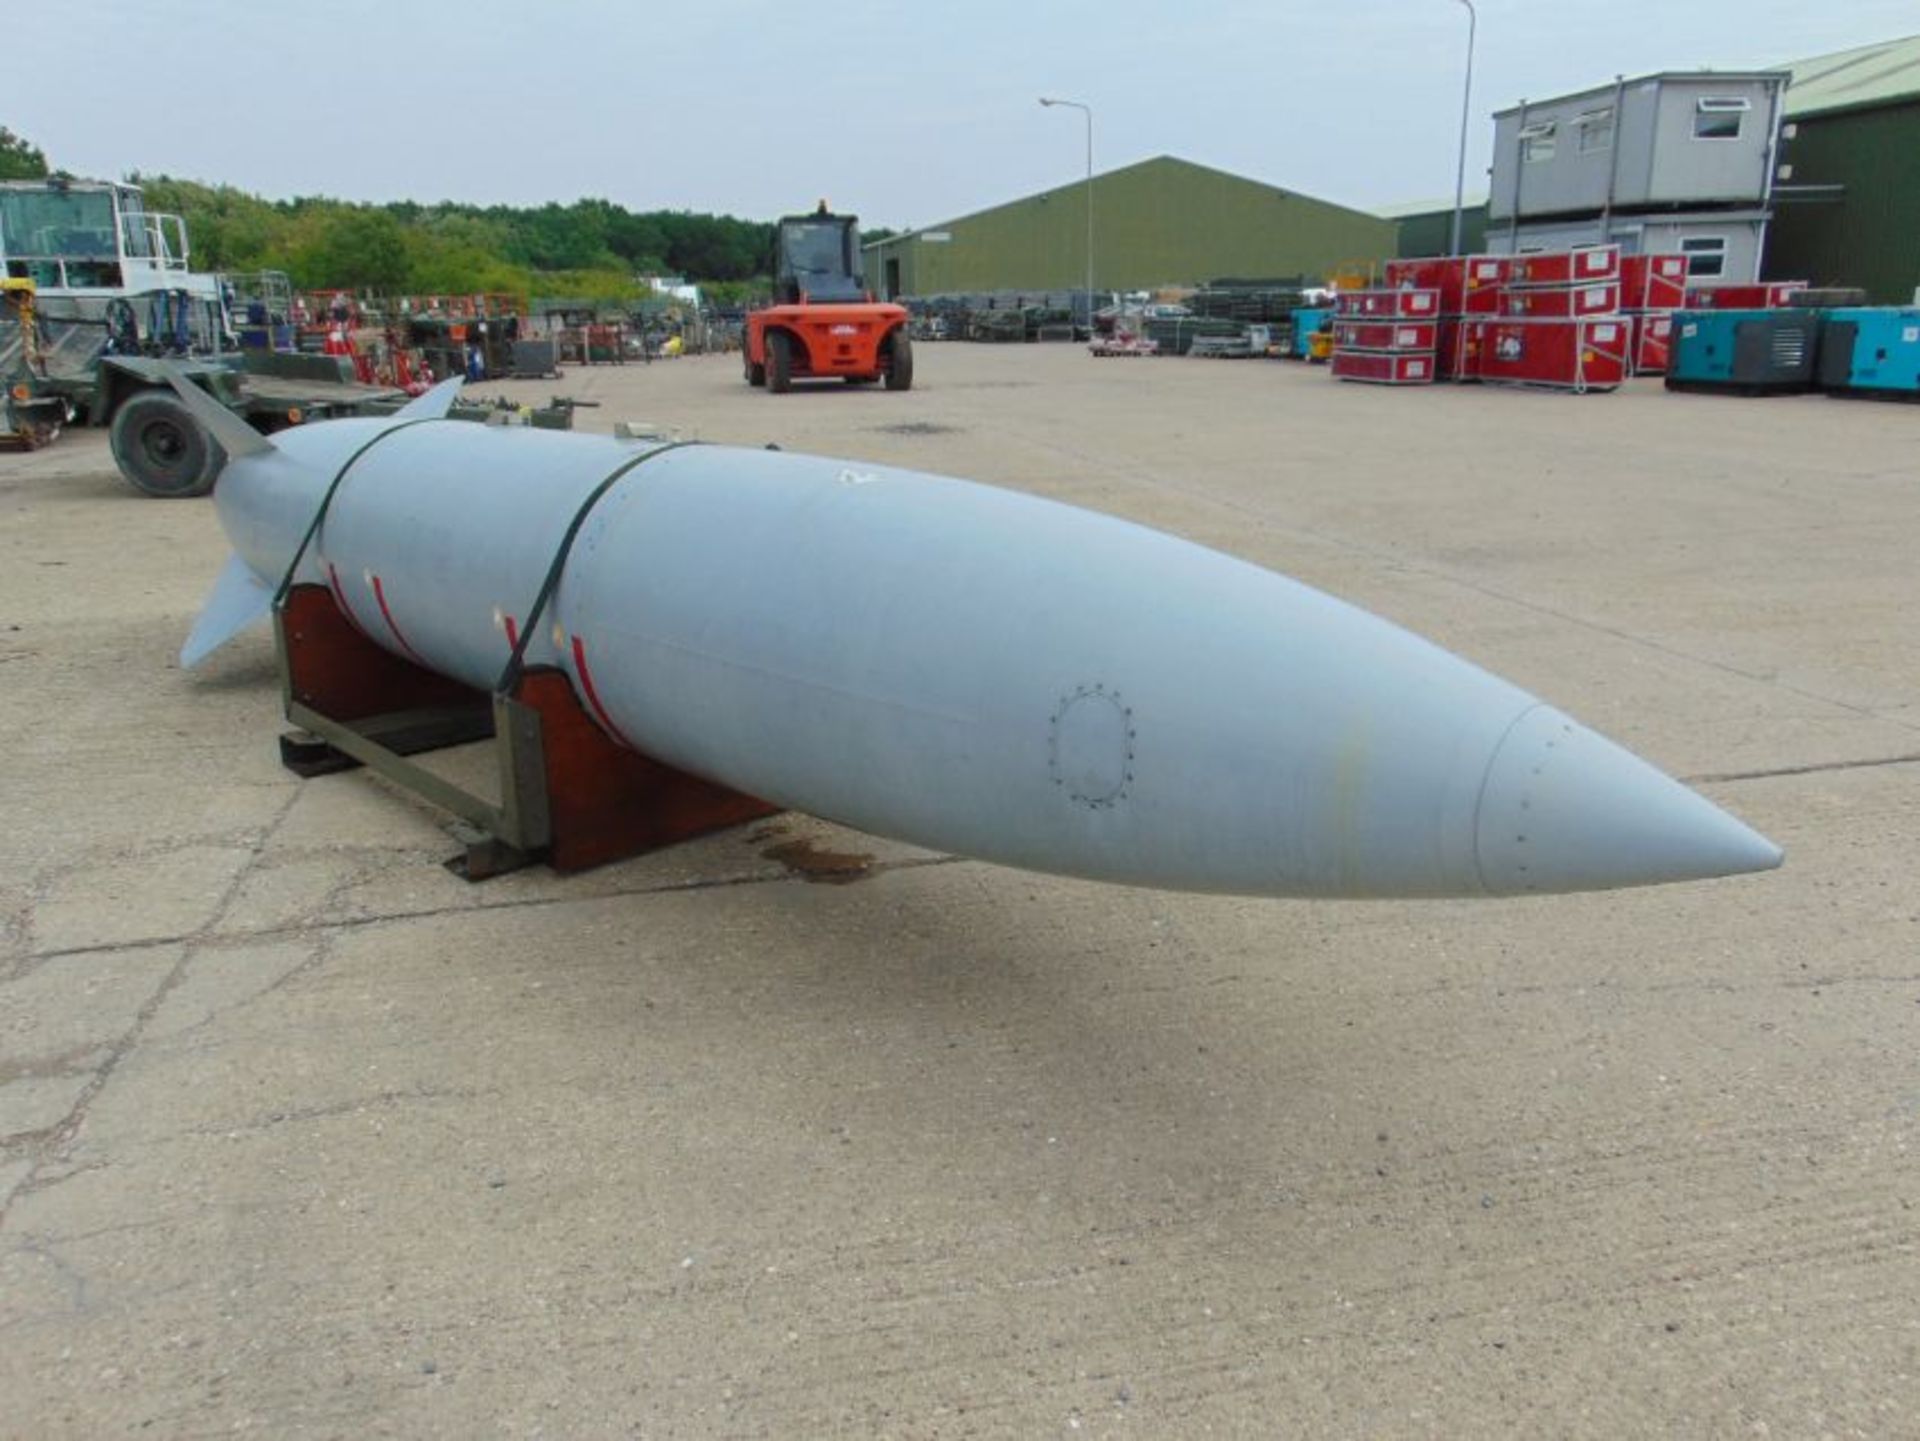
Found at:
(1086, 110)
(1466, 104)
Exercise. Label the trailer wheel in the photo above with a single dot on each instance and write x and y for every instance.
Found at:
(899, 362)
(161, 449)
(779, 361)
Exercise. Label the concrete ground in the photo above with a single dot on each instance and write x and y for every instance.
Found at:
(308, 1137)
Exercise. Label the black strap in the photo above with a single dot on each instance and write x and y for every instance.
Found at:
(552, 583)
(320, 515)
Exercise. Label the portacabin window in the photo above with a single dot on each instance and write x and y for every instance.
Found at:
(1536, 141)
(1719, 117)
(1706, 255)
(1593, 131)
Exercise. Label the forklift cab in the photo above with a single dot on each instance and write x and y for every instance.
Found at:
(816, 258)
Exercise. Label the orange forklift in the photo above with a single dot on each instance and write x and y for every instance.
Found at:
(824, 322)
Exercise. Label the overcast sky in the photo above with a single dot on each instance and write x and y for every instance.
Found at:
(906, 113)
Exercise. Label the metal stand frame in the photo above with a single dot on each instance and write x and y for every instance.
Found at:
(569, 794)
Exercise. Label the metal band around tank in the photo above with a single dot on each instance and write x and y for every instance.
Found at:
(515, 662)
(320, 515)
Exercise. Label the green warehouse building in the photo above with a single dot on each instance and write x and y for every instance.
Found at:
(1846, 204)
(1161, 222)
(1426, 227)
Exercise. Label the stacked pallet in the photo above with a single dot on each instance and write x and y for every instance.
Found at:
(1386, 336)
(1175, 334)
(1249, 301)
(995, 326)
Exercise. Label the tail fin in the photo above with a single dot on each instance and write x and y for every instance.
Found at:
(432, 404)
(239, 599)
(235, 436)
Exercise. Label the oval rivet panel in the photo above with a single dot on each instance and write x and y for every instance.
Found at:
(1090, 749)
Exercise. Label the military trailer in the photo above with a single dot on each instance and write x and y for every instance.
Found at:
(99, 294)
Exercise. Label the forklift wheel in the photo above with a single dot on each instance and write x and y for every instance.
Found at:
(161, 449)
(779, 362)
(756, 374)
(900, 362)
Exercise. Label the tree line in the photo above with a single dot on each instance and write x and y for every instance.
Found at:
(590, 248)
(20, 159)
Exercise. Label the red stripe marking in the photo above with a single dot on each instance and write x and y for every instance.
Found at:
(513, 634)
(340, 599)
(380, 595)
(593, 696)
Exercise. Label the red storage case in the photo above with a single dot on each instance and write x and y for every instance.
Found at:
(1561, 302)
(1765, 296)
(1383, 334)
(1482, 299)
(1384, 367)
(1427, 273)
(1564, 354)
(1488, 271)
(1566, 267)
(1466, 283)
(1456, 349)
(1726, 297)
(1652, 341)
(1389, 304)
(1653, 282)
(1440, 274)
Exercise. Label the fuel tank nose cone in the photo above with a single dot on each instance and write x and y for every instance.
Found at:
(1562, 808)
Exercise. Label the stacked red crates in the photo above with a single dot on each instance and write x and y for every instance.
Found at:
(1652, 287)
(1559, 323)
(1385, 336)
(1564, 319)
(1468, 285)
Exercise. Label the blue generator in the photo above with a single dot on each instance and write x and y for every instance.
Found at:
(1307, 322)
(1872, 350)
(1751, 351)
